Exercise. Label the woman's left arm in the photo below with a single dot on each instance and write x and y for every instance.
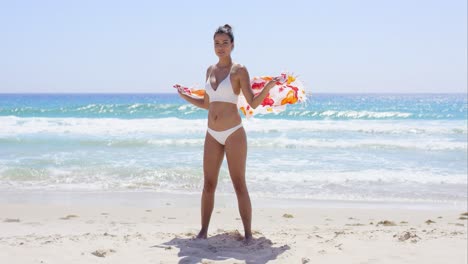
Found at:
(253, 100)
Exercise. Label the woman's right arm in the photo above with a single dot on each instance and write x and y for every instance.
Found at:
(199, 102)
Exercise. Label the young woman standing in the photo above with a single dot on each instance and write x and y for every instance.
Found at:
(225, 134)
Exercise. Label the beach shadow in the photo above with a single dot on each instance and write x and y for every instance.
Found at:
(228, 245)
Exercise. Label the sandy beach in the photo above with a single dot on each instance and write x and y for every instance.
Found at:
(70, 231)
(346, 121)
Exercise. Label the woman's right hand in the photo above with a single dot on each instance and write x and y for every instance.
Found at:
(180, 89)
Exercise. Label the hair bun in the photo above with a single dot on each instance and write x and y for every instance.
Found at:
(226, 29)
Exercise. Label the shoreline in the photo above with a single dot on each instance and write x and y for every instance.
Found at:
(161, 199)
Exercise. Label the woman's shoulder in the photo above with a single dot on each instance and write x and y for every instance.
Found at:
(209, 70)
(210, 67)
(238, 68)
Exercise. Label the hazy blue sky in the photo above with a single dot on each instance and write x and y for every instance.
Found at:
(147, 46)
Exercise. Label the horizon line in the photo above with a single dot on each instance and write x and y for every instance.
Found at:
(136, 93)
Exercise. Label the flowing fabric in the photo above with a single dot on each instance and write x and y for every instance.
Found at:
(288, 90)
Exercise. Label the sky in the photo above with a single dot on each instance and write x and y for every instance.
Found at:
(334, 46)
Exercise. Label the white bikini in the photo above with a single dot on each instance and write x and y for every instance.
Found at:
(223, 93)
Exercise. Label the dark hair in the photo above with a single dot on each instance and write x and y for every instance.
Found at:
(226, 29)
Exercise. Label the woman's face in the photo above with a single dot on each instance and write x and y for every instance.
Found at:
(223, 45)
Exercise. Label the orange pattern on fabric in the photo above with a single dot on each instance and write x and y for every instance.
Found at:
(289, 90)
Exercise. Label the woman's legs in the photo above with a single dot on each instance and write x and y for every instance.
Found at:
(236, 155)
(213, 155)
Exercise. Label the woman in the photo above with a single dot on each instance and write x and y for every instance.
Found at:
(225, 134)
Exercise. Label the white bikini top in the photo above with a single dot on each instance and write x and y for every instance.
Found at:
(223, 93)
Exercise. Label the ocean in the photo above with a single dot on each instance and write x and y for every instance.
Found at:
(335, 147)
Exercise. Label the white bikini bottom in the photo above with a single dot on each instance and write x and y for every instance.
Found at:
(221, 136)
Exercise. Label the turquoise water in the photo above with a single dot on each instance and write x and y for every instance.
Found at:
(350, 147)
(318, 107)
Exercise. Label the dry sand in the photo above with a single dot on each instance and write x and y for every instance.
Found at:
(70, 233)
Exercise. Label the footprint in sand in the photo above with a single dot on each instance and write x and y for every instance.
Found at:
(11, 220)
(68, 217)
(386, 223)
(102, 253)
(463, 216)
(408, 235)
(256, 233)
(288, 216)
(189, 234)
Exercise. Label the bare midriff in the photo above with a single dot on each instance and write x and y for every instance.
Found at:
(222, 116)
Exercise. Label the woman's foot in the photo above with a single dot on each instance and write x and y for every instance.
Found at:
(248, 239)
(202, 235)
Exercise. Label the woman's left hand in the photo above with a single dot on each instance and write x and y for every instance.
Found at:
(270, 84)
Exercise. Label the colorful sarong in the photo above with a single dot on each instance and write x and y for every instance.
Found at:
(288, 90)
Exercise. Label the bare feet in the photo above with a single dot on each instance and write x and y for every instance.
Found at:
(248, 240)
(202, 235)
